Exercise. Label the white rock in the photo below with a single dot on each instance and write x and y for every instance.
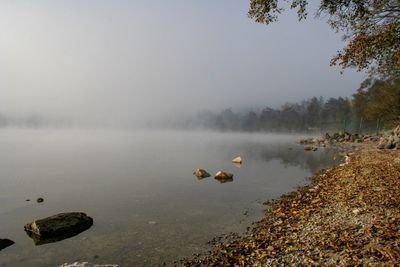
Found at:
(356, 211)
(237, 160)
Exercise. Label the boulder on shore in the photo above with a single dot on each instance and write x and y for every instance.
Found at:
(390, 139)
(312, 144)
(5, 243)
(200, 173)
(58, 227)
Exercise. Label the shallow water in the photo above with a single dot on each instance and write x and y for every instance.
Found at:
(138, 186)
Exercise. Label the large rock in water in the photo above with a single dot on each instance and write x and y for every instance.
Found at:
(5, 243)
(58, 227)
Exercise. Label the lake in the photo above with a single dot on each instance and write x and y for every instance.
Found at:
(138, 186)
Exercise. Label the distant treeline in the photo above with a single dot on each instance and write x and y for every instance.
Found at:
(376, 104)
(33, 121)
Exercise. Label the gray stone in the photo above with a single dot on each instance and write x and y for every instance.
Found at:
(397, 130)
(200, 173)
(327, 136)
(396, 140)
(336, 136)
(382, 143)
(389, 143)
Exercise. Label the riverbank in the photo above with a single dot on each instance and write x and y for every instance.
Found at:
(349, 215)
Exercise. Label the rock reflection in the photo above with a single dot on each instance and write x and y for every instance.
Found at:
(5, 243)
(237, 165)
(224, 180)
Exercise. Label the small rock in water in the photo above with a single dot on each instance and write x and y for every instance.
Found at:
(39, 200)
(308, 148)
(237, 160)
(27, 200)
(200, 173)
(5, 243)
(224, 177)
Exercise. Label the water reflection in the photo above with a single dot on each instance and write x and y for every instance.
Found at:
(296, 156)
(237, 165)
(104, 174)
(40, 240)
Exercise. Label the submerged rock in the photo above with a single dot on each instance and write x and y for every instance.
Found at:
(58, 227)
(224, 177)
(5, 243)
(309, 148)
(200, 173)
(87, 264)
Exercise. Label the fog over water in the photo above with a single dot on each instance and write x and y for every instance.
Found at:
(128, 62)
(76, 76)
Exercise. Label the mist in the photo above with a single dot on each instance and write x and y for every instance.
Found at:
(140, 62)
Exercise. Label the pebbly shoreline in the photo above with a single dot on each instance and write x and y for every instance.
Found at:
(348, 215)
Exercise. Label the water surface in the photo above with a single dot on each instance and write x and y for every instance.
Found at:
(138, 186)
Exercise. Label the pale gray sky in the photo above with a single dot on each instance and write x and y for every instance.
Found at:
(122, 60)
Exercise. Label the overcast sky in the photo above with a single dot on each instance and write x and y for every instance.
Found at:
(121, 60)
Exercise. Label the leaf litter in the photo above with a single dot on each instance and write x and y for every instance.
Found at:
(348, 216)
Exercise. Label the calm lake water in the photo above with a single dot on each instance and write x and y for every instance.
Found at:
(138, 186)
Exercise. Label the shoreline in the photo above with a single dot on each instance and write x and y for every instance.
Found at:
(347, 215)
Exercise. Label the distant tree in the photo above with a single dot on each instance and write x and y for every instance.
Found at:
(371, 29)
(379, 100)
(250, 122)
(345, 110)
(313, 112)
(269, 119)
(230, 120)
(336, 112)
(290, 118)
